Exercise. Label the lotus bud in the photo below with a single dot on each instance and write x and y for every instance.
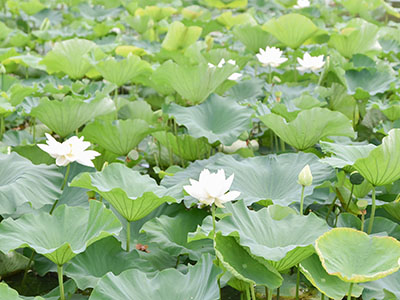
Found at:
(356, 178)
(2, 69)
(45, 24)
(305, 177)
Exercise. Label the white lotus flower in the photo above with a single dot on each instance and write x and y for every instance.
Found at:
(310, 63)
(235, 76)
(212, 188)
(305, 176)
(239, 144)
(271, 56)
(302, 4)
(73, 149)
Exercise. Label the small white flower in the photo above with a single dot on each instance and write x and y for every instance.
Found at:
(73, 149)
(239, 144)
(212, 188)
(271, 56)
(310, 63)
(302, 4)
(235, 76)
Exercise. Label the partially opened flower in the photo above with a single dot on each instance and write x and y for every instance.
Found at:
(212, 188)
(271, 56)
(73, 149)
(310, 63)
(302, 4)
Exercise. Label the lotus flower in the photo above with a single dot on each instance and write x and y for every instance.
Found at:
(302, 4)
(305, 176)
(212, 188)
(73, 149)
(310, 63)
(271, 56)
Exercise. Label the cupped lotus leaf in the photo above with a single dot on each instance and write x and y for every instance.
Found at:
(193, 83)
(86, 270)
(155, 12)
(8, 293)
(171, 233)
(291, 29)
(133, 195)
(358, 37)
(383, 289)
(61, 236)
(179, 36)
(64, 117)
(254, 37)
(309, 127)
(243, 265)
(70, 57)
(185, 146)
(330, 285)
(199, 283)
(372, 81)
(268, 177)
(344, 155)
(217, 119)
(122, 71)
(393, 209)
(355, 257)
(119, 136)
(282, 242)
(23, 183)
(382, 165)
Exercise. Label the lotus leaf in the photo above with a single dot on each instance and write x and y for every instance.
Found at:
(9, 294)
(254, 37)
(180, 37)
(383, 289)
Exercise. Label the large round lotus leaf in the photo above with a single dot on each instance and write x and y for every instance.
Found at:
(218, 119)
(382, 165)
(62, 235)
(86, 270)
(243, 265)
(344, 155)
(64, 117)
(119, 136)
(309, 127)
(387, 288)
(267, 177)
(133, 195)
(123, 71)
(199, 283)
(23, 183)
(329, 285)
(69, 57)
(283, 242)
(254, 37)
(8, 293)
(354, 256)
(291, 29)
(193, 83)
(171, 233)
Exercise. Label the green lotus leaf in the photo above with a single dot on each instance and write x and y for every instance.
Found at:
(133, 195)
(179, 36)
(199, 283)
(268, 177)
(329, 285)
(382, 165)
(69, 57)
(119, 136)
(217, 119)
(86, 270)
(64, 117)
(391, 109)
(24, 184)
(243, 265)
(185, 146)
(61, 236)
(122, 71)
(355, 257)
(393, 209)
(12, 262)
(137, 110)
(291, 29)
(193, 83)
(372, 81)
(309, 127)
(383, 289)
(229, 20)
(281, 242)
(171, 233)
(8, 293)
(358, 37)
(383, 225)
(254, 37)
(226, 3)
(344, 155)
(6, 107)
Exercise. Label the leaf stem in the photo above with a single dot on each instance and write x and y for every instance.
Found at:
(269, 293)
(213, 220)
(278, 292)
(350, 290)
(62, 187)
(322, 296)
(248, 293)
(128, 236)
(362, 221)
(297, 282)
(351, 196)
(61, 281)
(253, 293)
(302, 200)
(371, 222)
(28, 267)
